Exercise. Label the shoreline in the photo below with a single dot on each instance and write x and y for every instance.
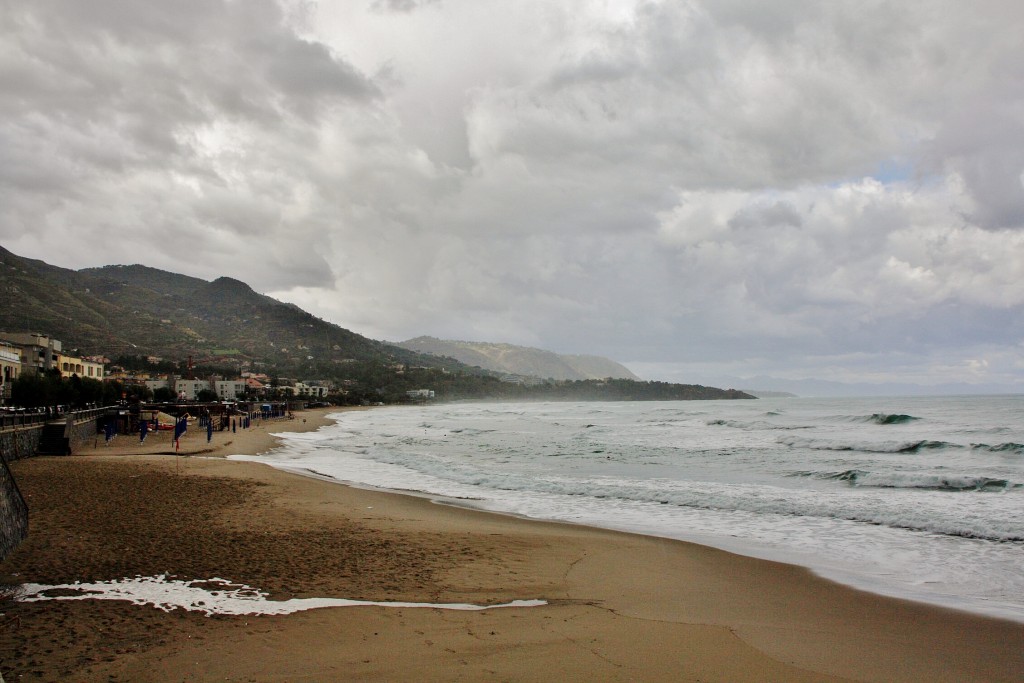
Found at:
(738, 549)
(623, 606)
(735, 546)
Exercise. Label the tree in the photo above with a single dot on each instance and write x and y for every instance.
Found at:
(32, 390)
(163, 395)
(206, 395)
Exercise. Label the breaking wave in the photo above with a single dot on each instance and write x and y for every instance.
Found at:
(926, 481)
(1017, 448)
(877, 509)
(915, 446)
(740, 424)
(887, 419)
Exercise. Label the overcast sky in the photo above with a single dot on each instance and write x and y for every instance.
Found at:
(729, 187)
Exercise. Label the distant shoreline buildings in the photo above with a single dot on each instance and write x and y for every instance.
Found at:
(31, 353)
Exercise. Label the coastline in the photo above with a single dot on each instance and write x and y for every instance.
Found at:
(621, 606)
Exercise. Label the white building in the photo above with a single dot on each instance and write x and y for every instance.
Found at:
(309, 390)
(420, 393)
(154, 384)
(228, 390)
(188, 389)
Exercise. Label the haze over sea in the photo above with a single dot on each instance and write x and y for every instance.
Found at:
(920, 498)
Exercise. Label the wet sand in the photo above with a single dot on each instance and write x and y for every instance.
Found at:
(621, 607)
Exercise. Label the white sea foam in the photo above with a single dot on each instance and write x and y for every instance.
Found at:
(215, 596)
(900, 505)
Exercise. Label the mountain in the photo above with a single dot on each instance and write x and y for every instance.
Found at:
(137, 310)
(520, 360)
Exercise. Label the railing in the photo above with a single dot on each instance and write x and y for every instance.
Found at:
(10, 420)
(19, 419)
(91, 413)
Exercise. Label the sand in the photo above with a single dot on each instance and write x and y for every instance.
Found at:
(620, 607)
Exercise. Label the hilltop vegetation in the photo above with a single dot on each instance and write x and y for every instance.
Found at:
(145, 311)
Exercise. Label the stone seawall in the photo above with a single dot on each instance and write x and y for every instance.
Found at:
(20, 442)
(85, 433)
(13, 512)
(15, 443)
(21, 439)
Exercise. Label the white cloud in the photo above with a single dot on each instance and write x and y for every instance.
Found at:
(731, 183)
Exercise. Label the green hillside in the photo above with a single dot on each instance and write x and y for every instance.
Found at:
(139, 310)
(136, 311)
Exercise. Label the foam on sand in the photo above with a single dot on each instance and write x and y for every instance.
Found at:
(215, 596)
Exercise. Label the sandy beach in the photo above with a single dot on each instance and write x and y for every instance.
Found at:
(620, 607)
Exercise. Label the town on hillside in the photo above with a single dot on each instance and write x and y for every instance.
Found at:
(28, 355)
(37, 371)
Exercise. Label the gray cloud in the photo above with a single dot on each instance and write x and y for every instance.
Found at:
(788, 188)
(150, 123)
(405, 6)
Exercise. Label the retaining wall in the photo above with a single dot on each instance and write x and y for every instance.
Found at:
(20, 442)
(85, 432)
(19, 438)
(13, 513)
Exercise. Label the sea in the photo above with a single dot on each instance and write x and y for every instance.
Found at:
(919, 498)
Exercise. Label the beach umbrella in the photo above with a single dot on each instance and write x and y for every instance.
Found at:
(109, 430)
(143, 430)
(209, 430)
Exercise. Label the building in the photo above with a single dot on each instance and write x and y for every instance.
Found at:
(309, 390)
(228, 390)
(99, 366)
(523, 380)
(38, 352)
(83, 367)
(10, 368)
(420, 394)
(188, 389)
(154, 384)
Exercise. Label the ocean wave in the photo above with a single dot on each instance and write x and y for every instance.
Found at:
(877, 418)
(871, 505)
(918, 480)
(866, 447)
(1010, 447)
(756, 425)
(884, 418)
(470, 431)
